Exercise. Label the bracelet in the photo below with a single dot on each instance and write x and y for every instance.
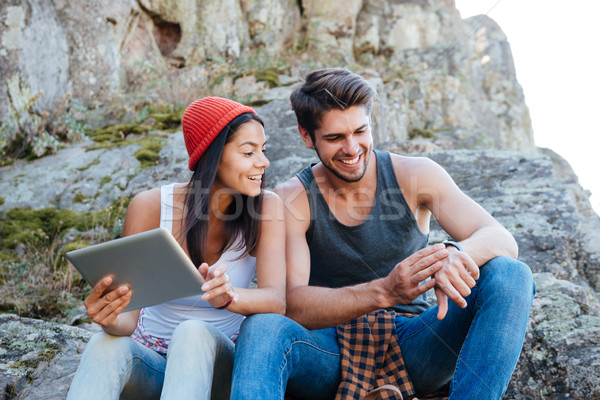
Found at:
(451, 243)
(224, 306)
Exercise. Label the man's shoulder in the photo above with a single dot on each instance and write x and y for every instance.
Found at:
(290, 189)
(410, 163)
(295, 202)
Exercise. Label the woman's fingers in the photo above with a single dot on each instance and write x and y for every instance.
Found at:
(98, 290)
(216, 277)
(108, 314)
(94, 305)
(203, 269)
(224, 289)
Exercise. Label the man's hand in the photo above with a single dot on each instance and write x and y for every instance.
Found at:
(402, 283)
(454, 280)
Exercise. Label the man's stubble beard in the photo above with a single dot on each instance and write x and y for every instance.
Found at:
(338, 174)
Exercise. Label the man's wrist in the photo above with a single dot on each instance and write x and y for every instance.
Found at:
(381, 294)
(453, 244)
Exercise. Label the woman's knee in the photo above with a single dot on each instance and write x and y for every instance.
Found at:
(108, 349)
(192, 334)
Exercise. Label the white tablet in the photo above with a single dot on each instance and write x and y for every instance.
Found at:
(152, 263)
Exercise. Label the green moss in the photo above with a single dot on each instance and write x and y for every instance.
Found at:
(38, 227)
(2, 200)
(46, 354)
(117, 132)
(81, 198)
(105, 180)
(96, 161)
(147, 155)
(42, 284)
(169, 120)
(424, 133)
(75, 245)
(270, 76)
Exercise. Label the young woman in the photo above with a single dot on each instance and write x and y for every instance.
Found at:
(229, 226)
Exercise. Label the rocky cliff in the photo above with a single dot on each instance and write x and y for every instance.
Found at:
(447, 89)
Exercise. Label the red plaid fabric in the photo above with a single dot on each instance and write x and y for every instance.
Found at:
(371, 357)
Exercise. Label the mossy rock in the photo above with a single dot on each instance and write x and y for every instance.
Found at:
(419, 132)
(42, 284)
(75, 245)
(105, 180)
(81, 198)
(167, 121)
(2, 200)
(147, 155)
(117, 132)
(96, 161)
(270, 76)
(37, 227)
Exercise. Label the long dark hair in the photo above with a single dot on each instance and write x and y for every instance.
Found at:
(241, 223)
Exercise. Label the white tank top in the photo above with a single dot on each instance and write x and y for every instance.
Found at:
(161, 320)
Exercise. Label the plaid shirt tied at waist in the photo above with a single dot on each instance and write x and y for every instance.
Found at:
(371, 360)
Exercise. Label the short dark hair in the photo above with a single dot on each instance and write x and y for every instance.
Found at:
(327, 89)
(245, 225)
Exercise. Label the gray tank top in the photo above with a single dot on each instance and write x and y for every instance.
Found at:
(342, 255)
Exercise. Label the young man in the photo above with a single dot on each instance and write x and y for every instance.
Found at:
(357, 230)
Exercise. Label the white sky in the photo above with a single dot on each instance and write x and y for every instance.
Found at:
(555, 48)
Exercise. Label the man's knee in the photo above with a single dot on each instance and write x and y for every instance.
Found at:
(266, 329)
(265, 324)
(509, 276)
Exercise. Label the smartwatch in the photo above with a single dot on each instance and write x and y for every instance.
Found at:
(452, 243)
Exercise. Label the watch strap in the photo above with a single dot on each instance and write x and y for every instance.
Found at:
(452, 243)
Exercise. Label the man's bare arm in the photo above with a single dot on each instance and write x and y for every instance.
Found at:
(479, 234)
(319, 307)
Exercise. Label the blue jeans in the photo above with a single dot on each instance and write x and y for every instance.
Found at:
(198, 365)
(474, 349)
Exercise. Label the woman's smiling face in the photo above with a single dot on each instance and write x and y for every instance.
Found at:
(243, 161)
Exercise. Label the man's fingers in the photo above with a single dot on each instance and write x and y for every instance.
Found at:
(452, 293)
(473, 269)
(467, 278)
(425, 286)
(430, 259)
(421, 254)
(442, 301)
(428, 272)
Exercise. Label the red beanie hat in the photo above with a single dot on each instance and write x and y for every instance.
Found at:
(204, 119)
